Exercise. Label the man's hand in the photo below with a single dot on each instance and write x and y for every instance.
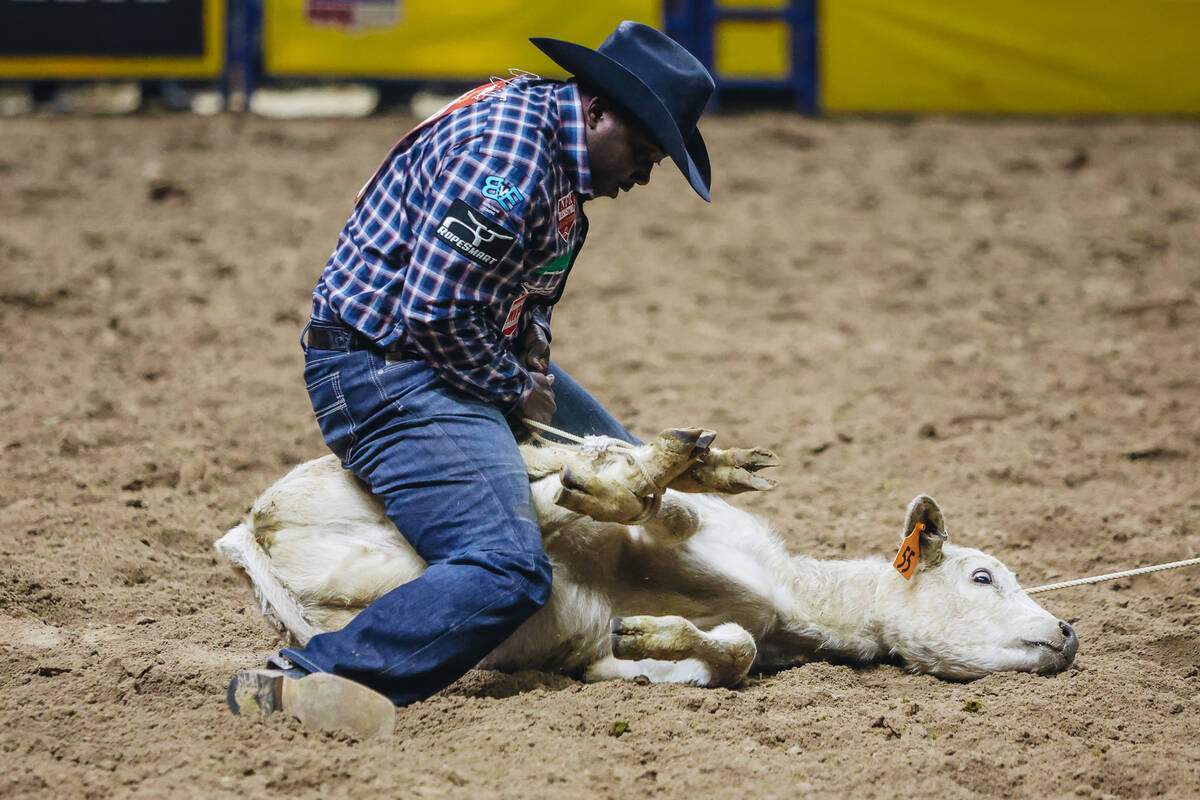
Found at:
(534, 349)
(538, 403)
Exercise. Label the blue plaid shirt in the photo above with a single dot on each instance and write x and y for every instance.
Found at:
(466, 234)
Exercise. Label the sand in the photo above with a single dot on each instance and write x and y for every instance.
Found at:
(1001, 313)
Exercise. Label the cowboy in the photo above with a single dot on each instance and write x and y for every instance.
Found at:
(429, 343)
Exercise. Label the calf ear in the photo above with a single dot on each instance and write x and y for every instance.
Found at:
(924, 509)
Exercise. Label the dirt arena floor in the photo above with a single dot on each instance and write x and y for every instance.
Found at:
(1003, 314)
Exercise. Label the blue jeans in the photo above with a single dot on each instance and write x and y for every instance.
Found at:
(451, 478)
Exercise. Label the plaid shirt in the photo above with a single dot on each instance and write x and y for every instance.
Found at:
(466, 234)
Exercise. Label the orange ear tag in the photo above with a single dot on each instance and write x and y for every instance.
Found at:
(910, 551)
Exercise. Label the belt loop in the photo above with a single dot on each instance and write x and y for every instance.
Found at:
(304, 337)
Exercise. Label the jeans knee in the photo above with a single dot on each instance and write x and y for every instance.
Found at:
(540, 580)
(526, 576)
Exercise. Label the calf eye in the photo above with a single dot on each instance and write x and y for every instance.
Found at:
(983, 576)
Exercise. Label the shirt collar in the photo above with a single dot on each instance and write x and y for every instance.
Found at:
(572, 134)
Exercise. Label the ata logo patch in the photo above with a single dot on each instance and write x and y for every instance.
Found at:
(502, 192)
(566, 216)
(471, 233)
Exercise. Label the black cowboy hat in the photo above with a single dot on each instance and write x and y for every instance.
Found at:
(656, 80)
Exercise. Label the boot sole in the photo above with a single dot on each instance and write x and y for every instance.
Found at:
(320, 701)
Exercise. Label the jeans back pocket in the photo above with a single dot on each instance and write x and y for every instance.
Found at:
(333, 415)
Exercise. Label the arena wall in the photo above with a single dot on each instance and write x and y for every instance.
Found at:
(1019, 56)
(1024, 56)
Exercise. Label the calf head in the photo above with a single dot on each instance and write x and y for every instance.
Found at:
(963, 614)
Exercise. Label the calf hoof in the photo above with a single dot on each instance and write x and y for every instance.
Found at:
(570, 481)
(728, 472)
(640, 637)
(698, 439)
(625, 639)
(601, 503)
(753, 460)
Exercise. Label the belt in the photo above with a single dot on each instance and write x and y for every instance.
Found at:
(332, 336)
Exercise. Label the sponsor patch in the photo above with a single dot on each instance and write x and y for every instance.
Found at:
(502, 192)
(559, 264)
(514, 316)
(566, 216)
(469, 231)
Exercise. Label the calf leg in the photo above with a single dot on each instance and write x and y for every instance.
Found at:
(720, 657)
(615, 484)
(675, 520)
(614, 487)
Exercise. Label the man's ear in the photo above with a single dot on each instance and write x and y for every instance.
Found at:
(924, 509)
(595, 108)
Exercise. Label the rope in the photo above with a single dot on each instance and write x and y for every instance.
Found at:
(596, 446)
(536, 426)
(1187, 562)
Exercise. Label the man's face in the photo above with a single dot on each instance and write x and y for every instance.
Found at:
(621, 151)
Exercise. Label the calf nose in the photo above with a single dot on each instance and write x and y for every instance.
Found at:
(1071, 645)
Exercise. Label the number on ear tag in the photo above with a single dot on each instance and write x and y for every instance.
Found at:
(910, 551)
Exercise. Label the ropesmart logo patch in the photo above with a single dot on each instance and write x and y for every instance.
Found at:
(502, 192)
(469, 231)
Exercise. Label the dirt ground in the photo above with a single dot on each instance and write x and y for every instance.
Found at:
(1001, 313)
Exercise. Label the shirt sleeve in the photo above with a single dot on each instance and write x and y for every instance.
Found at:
(464, 275)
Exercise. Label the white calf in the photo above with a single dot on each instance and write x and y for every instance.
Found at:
(698, 591)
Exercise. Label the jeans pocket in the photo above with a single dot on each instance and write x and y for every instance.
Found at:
(404, 383)
(333, 415)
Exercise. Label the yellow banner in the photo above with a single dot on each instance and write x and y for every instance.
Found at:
(1026, 56)
(431, 39)
(208, 64)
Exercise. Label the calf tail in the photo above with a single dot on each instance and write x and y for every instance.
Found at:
(282, 608)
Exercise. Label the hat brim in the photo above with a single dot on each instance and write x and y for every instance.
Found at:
(627, 89)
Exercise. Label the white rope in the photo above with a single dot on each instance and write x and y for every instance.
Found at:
(596, 446)
(535, 426)
(1187, 562)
